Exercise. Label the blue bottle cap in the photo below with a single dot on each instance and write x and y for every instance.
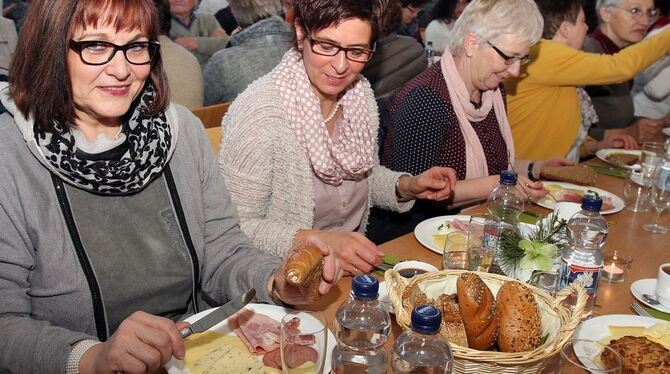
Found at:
(508, 177)
(426, 319)
(365, 286)
(592, 202)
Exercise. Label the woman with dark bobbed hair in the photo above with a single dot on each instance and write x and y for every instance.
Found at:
(114, 222)
(445, 14)
(299, 150)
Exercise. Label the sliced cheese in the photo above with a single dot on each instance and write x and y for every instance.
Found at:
(215, 353)
(659, 333)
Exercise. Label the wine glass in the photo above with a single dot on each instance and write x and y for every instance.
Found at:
(303, 343)
(660, 200)
(584, 356)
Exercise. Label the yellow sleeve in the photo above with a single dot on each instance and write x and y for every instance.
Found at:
(560, 65)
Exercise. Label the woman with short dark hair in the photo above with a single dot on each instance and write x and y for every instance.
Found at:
(114, 221)
(299, 145)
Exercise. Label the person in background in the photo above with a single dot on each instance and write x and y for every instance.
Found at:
(397, 59)
(622, 24)
(198, 32)
(212, 6)
(453, 115)
(299, 147)
(445, 14)
(181, 67)
(409, 25)
(651, 88)
(253, 51)
(8, 40)
(15, 10)
(115, 222)
(547, 108)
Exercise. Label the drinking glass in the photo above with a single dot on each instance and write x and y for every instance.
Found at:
(583, 356)
(660, 200)
(455, 252)
(545, 280)
(303, 343)
(484, 232)
(636, 191)
(652, 153)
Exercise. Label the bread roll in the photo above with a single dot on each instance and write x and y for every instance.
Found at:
(520, 326)
(304, 268)
(452, 326)
(477, 308)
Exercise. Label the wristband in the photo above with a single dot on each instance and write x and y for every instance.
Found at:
(531, 176)
(77, 352)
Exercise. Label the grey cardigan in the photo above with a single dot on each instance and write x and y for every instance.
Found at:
(46, 303)
(269, 175)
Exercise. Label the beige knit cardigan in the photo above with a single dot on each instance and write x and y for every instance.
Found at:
(269, 175)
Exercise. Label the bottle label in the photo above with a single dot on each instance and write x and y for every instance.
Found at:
(587, 276)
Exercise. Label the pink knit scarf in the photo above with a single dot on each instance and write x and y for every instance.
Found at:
(353, 154)
(475, 159)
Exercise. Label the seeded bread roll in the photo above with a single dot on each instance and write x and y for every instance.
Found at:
(520, 326)
(477, 307)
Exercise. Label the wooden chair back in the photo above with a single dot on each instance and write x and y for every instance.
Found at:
(211, 117)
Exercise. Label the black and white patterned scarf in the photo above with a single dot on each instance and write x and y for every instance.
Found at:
(148, 148)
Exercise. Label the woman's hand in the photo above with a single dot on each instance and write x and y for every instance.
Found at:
(188, 42)
(143, 342)
(644, 129)
(617, 141)
(436, 183)
(332, 273)
(530, 190)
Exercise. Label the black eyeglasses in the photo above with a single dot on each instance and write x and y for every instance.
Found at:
(510, 60)
(326, 48)
(638, 13)
(95, 52)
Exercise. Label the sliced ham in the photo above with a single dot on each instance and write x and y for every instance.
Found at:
(259, 332)
(460, 225)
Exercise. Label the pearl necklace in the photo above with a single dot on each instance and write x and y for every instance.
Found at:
(333, 113)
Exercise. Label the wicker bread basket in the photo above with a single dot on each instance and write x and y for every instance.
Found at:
(557, 321)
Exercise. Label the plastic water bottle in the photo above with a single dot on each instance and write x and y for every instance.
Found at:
(504, 203)
(430, 53)
(362, 327)
(582, 259)
(422, 349)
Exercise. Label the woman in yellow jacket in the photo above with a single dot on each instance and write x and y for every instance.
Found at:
(543, 103)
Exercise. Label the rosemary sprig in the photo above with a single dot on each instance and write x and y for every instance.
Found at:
(549, 232)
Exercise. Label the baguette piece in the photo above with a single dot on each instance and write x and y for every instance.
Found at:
(520, 326)
(477, 308)
(452, 326)
(304, 268)
(576, 174)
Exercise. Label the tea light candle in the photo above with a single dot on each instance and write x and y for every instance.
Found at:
(612, 271)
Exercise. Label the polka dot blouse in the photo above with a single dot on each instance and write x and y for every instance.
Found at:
(424, 130)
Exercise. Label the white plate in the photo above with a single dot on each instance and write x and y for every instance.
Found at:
(273, 311)
(595, 329)
(666, 131)
(425, 230)
(549, 203)
(647, 286)
(384, 298)
(604, 153)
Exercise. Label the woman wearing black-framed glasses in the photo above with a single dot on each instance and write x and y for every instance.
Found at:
(115, 223)
(299, 147)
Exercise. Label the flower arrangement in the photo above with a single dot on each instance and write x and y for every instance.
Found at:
(520, 256)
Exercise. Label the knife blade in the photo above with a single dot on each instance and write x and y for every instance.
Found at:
(219, 314)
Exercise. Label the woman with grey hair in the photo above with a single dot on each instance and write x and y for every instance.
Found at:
(454, 113)
(622, 23)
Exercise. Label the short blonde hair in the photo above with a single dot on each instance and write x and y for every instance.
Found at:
(491, 19)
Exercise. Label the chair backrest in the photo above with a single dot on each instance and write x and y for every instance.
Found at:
(211, 117)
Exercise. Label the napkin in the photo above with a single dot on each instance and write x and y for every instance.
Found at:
(656, 313)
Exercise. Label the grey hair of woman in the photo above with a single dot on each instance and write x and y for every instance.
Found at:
(491, 20)
(606, 3)
(247, 12)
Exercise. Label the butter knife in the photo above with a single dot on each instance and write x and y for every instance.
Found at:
(219, 314)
